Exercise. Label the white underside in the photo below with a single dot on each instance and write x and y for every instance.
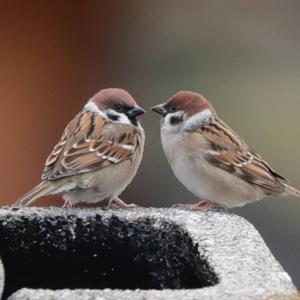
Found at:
(104, 184)
(205, 181)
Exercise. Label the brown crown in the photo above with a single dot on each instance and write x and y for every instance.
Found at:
(107, 98)
(189, 102)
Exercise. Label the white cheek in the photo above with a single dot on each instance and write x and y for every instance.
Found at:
(166, 125)
(122, 118)
(197, 120)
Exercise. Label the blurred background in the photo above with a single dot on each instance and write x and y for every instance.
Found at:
(242, 55)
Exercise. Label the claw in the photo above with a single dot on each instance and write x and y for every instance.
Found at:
(118, 203)
(67, 204)
(202, 205)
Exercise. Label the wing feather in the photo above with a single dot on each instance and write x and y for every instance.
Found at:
(230, 153)
(89, 143)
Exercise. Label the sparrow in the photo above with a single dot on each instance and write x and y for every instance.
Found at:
(98, 154)
(210, 159)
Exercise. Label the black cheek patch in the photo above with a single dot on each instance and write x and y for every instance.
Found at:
(175, 120)
(113, 117)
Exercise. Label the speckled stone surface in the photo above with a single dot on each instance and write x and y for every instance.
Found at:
(234, 250)
(98, 251)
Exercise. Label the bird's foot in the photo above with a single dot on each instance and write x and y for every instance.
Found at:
(202, 205)
(67, 204)
(118, 203)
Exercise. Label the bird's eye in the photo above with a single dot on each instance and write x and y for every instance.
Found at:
(173, 108)
(118, 108)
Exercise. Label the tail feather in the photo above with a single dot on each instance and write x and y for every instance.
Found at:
(290, 191)
(41, 190)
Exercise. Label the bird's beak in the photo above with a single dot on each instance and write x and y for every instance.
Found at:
(160, 109)
(136, 111)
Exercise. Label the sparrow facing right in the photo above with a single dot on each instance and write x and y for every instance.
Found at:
(210, 159)
(98, 154)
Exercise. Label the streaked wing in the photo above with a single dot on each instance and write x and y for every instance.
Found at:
(230, 153)
(90, 143)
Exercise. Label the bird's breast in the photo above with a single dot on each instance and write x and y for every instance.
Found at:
(205, 181)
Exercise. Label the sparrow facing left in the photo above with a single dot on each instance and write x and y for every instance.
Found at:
(210, 159)
(98, 154)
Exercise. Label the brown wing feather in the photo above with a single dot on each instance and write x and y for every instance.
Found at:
(232, 154)
(89, 143)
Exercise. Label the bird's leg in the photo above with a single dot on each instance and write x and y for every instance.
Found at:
(118, 203)
(67, 204)
(202, 205)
